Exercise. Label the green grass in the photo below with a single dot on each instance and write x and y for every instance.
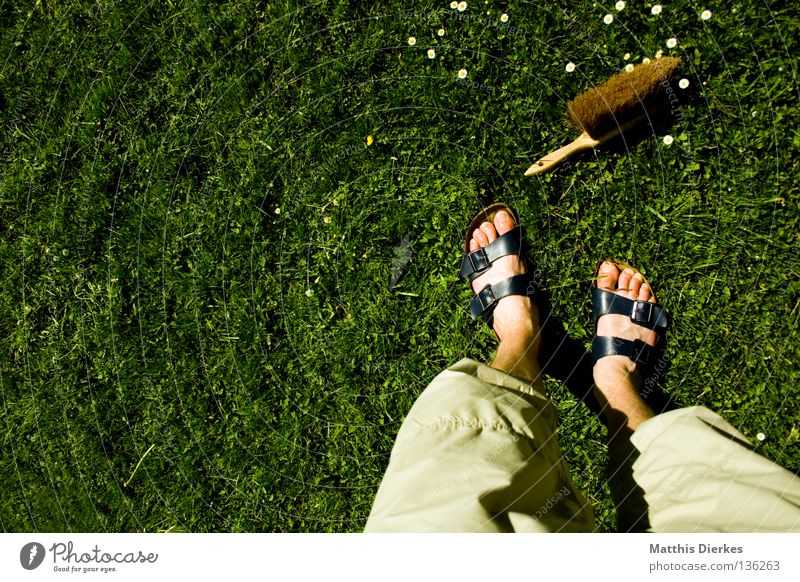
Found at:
(162, 364)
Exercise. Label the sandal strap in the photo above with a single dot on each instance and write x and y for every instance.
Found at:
(477, 262)
(643, 313)
(640, 352)
(484, 302)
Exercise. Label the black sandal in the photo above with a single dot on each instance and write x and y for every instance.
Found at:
(475, 263)
(643, 313)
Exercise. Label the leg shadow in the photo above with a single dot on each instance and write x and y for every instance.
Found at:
(563, 357)
(632, 508)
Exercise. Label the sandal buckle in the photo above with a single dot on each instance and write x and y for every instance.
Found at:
(479, 260)
(642, 311)
(486, 297)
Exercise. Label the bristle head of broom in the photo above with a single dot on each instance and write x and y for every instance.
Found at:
(622, 98)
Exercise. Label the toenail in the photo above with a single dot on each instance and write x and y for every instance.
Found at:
(638, 276)
(628, 270)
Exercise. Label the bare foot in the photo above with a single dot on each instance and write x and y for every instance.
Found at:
(616, 378)
(515, 317)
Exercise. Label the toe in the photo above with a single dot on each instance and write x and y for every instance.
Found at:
(479, 237)
(624, 283)
(607, 276)
(489, 230)
(503, 221)
(473, 245)
(645, 294)
(636, 285)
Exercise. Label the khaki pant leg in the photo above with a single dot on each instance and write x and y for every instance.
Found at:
(698, 473)
(478, 453)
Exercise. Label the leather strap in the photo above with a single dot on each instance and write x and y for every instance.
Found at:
(637, 350)
(483, 304)
(644, 313)
(477, 262)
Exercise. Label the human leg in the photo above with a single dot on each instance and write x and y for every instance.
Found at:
(477, 451)
(684, 470)
(617, 378)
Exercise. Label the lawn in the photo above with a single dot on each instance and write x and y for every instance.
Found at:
(206, 208)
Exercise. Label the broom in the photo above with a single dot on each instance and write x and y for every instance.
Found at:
(610, 109)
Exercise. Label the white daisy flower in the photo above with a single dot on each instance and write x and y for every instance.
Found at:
(462, 73)
(412, 41)
(309, 293)
(453, 5)
(659, 53)
(705, 15)
(619, 5)
(656, 9)
(761, 436)
(431, 54)
(672, 42)
(326, 219)
(668, 139)
(440, 32)
(608, 18)
(628, 67)
(627, 56)
(462, 6)
(570, 67)
(645, 61)
(277, 211)
(504, 17)
(683, 83)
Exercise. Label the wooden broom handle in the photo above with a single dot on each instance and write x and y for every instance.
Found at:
(551, 160)
(583, 142)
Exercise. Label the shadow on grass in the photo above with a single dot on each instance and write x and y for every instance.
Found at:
(629, 500)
